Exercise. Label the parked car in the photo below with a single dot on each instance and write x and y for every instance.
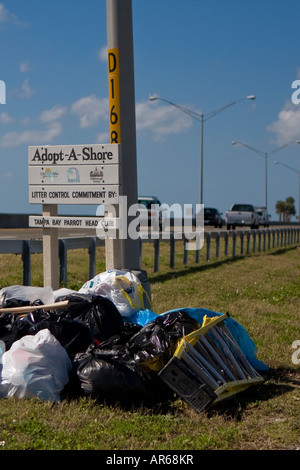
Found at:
(264, 217)
(153, 211)
(242, 215)
(213, 217)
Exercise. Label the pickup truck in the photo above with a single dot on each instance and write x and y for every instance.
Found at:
(242, 215)
(264, 217)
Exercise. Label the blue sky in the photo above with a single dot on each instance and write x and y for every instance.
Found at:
(201, 54)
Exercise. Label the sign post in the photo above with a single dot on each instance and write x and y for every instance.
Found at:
(50, 250)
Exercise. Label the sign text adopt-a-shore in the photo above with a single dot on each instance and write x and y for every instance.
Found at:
(69, 174)
(74, 174)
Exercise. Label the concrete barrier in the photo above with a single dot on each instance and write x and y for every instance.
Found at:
(14, 220)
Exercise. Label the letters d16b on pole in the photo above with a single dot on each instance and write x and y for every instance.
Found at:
(114, 95)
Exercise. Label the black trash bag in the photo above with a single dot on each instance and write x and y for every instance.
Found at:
(154, 345)
(13, 328)
(128, 331)
(98, 312)
(108, 373)
(15, 302)
(74, 335)
(10, 329)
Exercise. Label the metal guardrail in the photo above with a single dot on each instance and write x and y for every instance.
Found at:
(249, 241)
(26, 248)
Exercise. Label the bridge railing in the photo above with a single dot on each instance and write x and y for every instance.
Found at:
(232, 243)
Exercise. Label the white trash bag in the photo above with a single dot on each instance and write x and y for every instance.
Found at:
(26, 294)
(35, 366)
(123, 288)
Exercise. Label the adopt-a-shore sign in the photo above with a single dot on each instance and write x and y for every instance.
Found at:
(74, 174)
(70, 174)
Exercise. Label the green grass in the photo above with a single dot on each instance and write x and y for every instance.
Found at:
(261, 291)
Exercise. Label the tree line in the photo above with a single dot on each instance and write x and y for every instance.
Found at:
(286, 209)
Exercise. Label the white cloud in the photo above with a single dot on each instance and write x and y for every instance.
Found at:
(26, 90)
(9, 174)
(90, 110)
(5, 118)
(7, 17)
(13, 139)
(158, 120)
(154, 118)
(161, 121)
(34, 136)
(24, 67)
(287, 126)
(102, 54)
(25, 121)
(103, 138)
(53, 114)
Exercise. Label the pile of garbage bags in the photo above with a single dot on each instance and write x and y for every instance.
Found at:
(102, 342)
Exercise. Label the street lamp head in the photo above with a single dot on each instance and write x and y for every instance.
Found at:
(153, 97)
(234, 142)
(297, 141)
(251, 97)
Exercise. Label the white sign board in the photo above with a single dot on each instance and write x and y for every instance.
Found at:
(106, 223)
(74, 174)
(76, 195)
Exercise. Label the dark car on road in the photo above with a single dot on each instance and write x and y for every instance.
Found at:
(213, 217)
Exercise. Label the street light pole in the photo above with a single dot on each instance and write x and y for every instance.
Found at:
(201, 117)
(201, 160)
(298, 173)
(265, 155)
